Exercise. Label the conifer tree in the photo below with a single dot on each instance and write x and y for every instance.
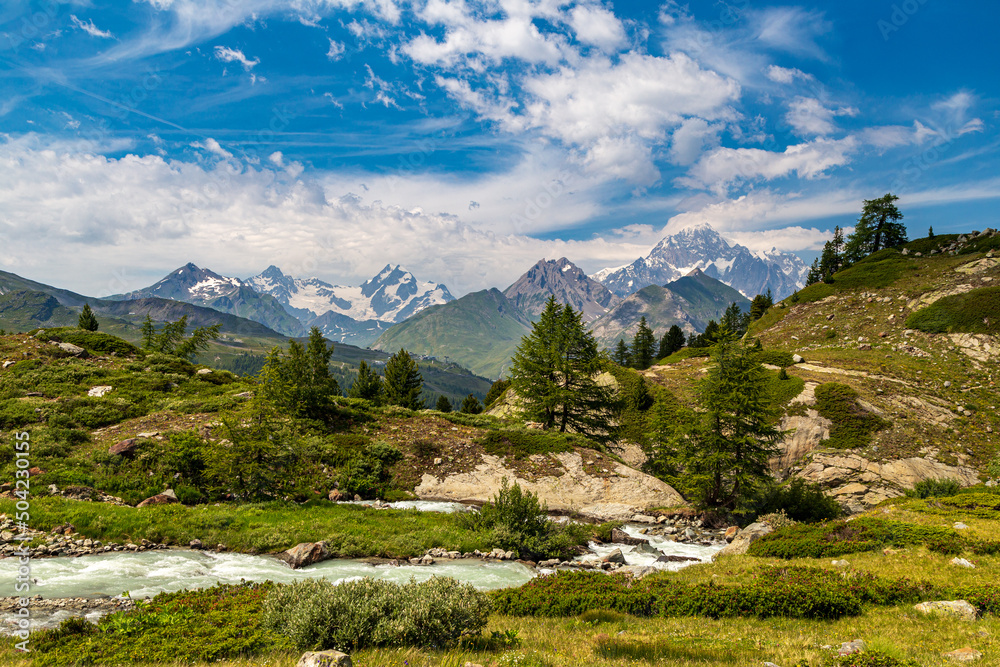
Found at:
(497, 389)
(726, 456)
(930, 232)
(148, 333)
(87, 321)
(814, 275)
(621, 355)
(878, 227)
(553, 373)
(403, 382)
(443, 404)
(643, 346)
(832, 259)
(300, 383)
(367, 384)
(471, 405)
(672, 341)
(735, 321)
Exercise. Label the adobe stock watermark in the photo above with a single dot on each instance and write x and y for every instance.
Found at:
(918, 164)
(537, 204)
(898, 17)
(22, 582)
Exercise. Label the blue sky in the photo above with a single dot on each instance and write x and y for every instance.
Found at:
(466, 140)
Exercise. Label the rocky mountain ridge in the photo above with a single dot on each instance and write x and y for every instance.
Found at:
(565, 281)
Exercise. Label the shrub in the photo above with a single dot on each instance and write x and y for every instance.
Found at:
(837, 538)
(793, 592)
(776, 358)
(367, 472)
(317, 614)
(15, 413)
(870, 659)
(801, 501)
(93, 341)
(928, 488)
(971, 312)
(853, 426)
(520, 444)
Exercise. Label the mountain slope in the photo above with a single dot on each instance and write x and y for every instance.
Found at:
(567, 283)
(203, 287)
(701, 247)
(689, 302)
(480, 332)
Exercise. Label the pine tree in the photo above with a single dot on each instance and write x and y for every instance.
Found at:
(367, 384)
(814, 275)
(643, 346)
(148, 333)
(497, 389)
(87, 321)
(300, 383)
(758, 307)
(832, 259)
(735, 321)
(726, 457)
(443, 404)
(621, 355)
(878, 227)
(674, 339)
(403, 381)
(553, 373)
(471, 405)
(930, 232)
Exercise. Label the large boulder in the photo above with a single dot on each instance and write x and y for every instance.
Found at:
(958, 608)
(158, 499)
(305, 554)
(124, 447)
(744, 539)
(619, 536)
(324, 659)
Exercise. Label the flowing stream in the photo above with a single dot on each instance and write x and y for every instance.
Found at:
(144, 574)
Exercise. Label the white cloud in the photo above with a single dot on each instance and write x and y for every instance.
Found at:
(809, 117)
(690, 139)
(785, 74)
(724, 167)
(213, 147)
(228, 55)
(597, 26)
(891, 136)
(89, 28)
(336, 51)
(791, 29)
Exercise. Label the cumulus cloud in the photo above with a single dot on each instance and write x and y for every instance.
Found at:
(722, 168)
(597, 26)
(785, 74)
(228, 55)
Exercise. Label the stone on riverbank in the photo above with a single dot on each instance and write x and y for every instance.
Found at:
(324, 659)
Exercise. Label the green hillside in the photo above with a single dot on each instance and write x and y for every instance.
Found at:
(689, 302)
(480, 332)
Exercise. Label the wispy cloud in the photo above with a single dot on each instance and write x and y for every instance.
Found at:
(228, 55)
(89, 28)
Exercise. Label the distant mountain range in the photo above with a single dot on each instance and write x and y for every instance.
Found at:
(565, 281)
(689, 302)
(292, 305)
(701, 247)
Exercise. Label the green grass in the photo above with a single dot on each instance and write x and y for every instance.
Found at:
(976, 311)
(520, 444)
(853, 426)
(685, 353)
(350, 531)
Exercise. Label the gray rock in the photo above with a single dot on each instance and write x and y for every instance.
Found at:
(99, 391)
(324, 659)
(619, 536)
(615, 556)
(203, 371)
(958, 608)
(797, 358)
(840, 563)
(965, 654)
(170, 493)
(961, 562)
(959, 526)
(305, 554)
(158, 499)
(124, 447)
(746, 537)
(638, 571)
(75, 350)
(195, 544)
(850, 648)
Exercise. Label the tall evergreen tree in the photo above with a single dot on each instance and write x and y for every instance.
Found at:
(758, 306)
(734, 320)
(443, 404)
(832, 259)
(148, 333)
(300, 383)
(621, 355)
(930, 232)
(643, 346)
(673, 340)
(878, 227)
(726, 456)
(87, 321)
(814, 275)
(367, 384)
(553, 373)
(497, 389)
(471, 405)
(403, 382)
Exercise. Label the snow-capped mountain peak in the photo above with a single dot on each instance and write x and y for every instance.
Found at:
(702, 247)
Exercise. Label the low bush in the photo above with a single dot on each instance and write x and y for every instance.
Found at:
(837, 538)
(776, 358)
(92, 341)
(853, 426)
(928, 488)
(318, 615)
(523, 443)
(869, 659)
(971, 312)
(792, 592)
(218, 623)
(801, 501)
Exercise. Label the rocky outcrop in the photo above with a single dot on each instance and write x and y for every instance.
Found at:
(860, 483)
(744, 539)
(619, 495)
(957, 608)
(125, 447)
(980, 347)
(164, 498)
